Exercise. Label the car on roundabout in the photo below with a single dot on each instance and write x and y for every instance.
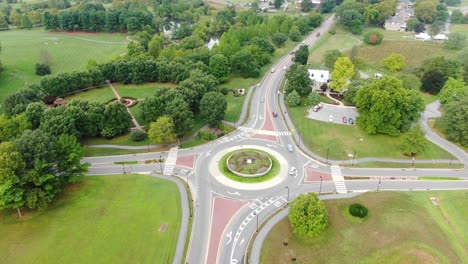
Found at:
(292, 171)
(262, 99)
(350, 121)
(275, 114)
(330, 118)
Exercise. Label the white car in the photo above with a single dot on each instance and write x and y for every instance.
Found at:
(262, 99)
(284, 68)
(330, 118)
(272, 70)
(292, 171)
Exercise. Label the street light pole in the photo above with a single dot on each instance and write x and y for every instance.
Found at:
(123, 168)
(160, 165)
(257, 224)
(288, 195)
(378, 186)
(321, 179)
(352, 161)
(412, 165)
(327, 155)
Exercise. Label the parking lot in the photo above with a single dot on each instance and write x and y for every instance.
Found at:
(338, 113)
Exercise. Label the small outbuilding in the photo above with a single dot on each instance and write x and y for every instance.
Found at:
(423, 36)
(440, 37)
(319, 76)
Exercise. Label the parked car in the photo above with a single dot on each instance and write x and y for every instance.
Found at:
(345, 120)
(273, 70)
(292, 171)
(351, 121)
(317, 107)
(262, 99)
(318, 34)
(330, 118)
(290, 148)
(284, 68)
(275, 114)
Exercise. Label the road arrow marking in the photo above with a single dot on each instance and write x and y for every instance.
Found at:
(269, 145)
(242, 242)
(260, 116)
(208, 153)
(230, 237)
(233, 193)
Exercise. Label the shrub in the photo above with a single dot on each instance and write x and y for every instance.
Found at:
(373, 38)
(42, 69)
(137, 135)
(224, 90)
(358, 210)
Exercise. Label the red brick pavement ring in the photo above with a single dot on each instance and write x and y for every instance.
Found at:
(314, 176)
(186, 161)
(223, 210)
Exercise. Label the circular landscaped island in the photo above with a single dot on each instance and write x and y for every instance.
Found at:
(249, 163)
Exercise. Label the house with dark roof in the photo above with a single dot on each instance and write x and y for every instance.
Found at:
(403, 13)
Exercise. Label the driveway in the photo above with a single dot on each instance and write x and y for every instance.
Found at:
(338, 113)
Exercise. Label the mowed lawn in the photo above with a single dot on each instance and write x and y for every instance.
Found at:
(104, 219)
(402, 227)
(102, 94)
(21, 50)
(341, 140)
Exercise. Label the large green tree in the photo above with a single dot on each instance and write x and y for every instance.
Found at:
(308, 215)
(394, 62)
(13, 127)
(162, 131)
(219, 67)
(414, 141)
(279, 39)
(331, 56)
(26, 22)
(453, 90)
(245, 64)
(301, 55)
(454, 121)
(212, 108)
(179, 111)
(385, 107)
(117, 120)
(293, 99)
(298, 80)
(12, 168)
(342, 73)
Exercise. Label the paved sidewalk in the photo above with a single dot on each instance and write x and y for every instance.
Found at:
(117, 95)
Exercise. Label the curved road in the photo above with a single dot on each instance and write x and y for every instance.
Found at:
(227, 214)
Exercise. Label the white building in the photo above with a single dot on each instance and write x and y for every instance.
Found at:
(423, 36)
(319, 76)
(440, 37)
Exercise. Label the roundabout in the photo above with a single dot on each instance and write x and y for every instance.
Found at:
(249, 167)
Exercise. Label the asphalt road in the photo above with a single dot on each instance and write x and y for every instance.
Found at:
(264, 130)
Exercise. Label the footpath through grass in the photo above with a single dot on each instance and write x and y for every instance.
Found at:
(21, 50)
(341, 140)
(402, 227)
(105, 219)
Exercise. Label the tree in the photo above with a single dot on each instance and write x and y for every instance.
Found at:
(301, 55)
(15, 18)
(279, 39)
(35, 17)
(373, 38)
(454, 122)
(294, 34)
(314, 98)
(455, 41)
(219, 67)
(306, 6)
(433, 81)
(162, 131)
(343, 71)
(179, 111)
(357, 27)
(413, 141)
(34, 113)
(453, 90)
(12, 127)
(426, 10)
(330, 57)
(117, 120)
(26, 22)
(385, 107)
(42, 69)
(436, 27)
(244, 63)
(12, 167)
(293, 99)
(277, 3)
(411, 24)
(419, 27)
(213, 106)
(457, 17)
(308, 215)
(394, 62)
(298, 80)
(70, 153)
(56, 123)
(3, 21)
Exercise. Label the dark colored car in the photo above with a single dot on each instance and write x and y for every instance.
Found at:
(318, 34)
(351, 121)
(275, 114)
(345, 120)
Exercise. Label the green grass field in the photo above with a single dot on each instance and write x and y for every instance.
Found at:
(103, 95)
(342, 140)
(105, 219)
(402, 227)
(96, 152)
(460, 28)
(379, 164)
(68, 52)
(140, 91)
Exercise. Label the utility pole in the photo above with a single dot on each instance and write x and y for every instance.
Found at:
(288, 195)
(160, 165)
(412, 165)
(327, 155)
(123, 168)
(352, 161)
(321, 179)
(378, 186)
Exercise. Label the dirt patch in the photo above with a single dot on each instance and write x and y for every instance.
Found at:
(420, 255)
(163, 227)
